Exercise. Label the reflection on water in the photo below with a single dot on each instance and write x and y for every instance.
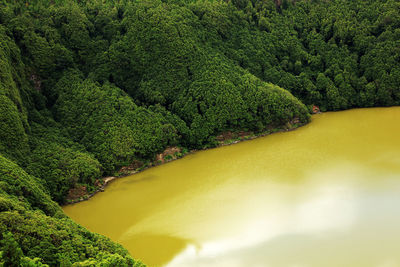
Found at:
(327, 194)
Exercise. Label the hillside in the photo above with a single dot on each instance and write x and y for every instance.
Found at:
(87, 87)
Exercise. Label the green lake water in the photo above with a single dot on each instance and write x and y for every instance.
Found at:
(326, 194)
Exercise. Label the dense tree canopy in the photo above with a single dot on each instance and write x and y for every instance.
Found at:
(35, 229)
(87, 87)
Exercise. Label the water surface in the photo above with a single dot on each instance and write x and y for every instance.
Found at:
(327, 194)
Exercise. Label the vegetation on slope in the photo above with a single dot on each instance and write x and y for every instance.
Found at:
(87, 87)
(35, 230)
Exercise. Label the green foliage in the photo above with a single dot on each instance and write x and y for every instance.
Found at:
(12, 253)
(33, 225)
(14, 140)
(125, 80)
(61, 168)
(13, 116)
(109, 124)
(104, 259)
(352, 43)
(28, 262)
(89, 86)
(17, 183)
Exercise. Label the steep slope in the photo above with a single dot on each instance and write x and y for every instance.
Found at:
(40, 229)
(87, 87)
(107, 84)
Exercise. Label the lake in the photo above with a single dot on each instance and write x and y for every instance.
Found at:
(326, 194)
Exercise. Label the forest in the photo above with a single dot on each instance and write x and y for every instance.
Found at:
(90, 86)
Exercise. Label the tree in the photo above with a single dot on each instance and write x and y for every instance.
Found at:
(12, 253)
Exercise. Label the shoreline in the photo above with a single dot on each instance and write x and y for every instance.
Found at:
(105, 181)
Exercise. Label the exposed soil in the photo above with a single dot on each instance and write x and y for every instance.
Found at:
(80, 193)
(136, 164)
(169, 154)
(77, 192)
(233, 135)
(316, 110)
